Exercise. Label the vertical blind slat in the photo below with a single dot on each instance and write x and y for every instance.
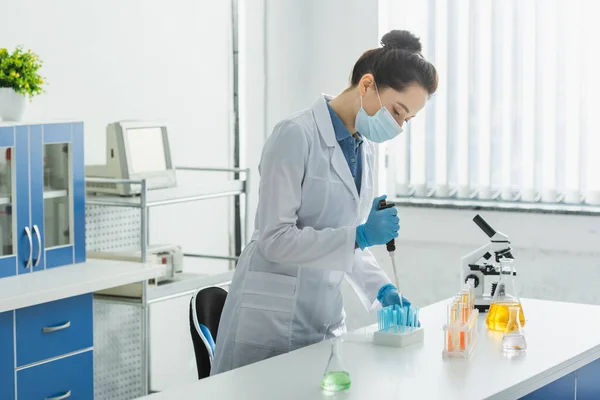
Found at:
(527, 68)
(483, 49)
(571, 123)
(547, 91)
(506, 112)
(460, 128)
(440, 101)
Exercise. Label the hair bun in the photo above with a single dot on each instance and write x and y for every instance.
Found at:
(403, 40)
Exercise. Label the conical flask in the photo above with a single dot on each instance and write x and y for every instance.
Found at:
(513, 340)
(505, 296)
(336, 377)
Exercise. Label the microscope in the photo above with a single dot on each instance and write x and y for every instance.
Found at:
(481, 266)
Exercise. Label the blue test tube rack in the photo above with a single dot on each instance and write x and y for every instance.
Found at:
(398, 326)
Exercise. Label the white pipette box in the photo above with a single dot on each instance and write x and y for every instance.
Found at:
(401, 338)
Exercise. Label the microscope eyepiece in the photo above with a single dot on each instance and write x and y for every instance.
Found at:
(484, 226)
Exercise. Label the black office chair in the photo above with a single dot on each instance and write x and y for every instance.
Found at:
(206, 307)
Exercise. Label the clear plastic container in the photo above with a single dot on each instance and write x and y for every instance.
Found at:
(460, 330)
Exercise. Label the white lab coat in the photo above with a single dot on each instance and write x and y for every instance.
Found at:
(285, 293)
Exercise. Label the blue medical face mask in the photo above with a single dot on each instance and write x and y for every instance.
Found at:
(377, 128)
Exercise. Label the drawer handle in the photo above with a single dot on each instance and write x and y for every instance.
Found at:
(39, 239)
(64, 396)
(57, 328)
(28, 232)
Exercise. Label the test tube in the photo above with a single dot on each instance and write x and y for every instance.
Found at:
(402, 317)
(388, 318)
(465, 305)
(457, 323)
(450, 324)
(464, 308)
(472, 292)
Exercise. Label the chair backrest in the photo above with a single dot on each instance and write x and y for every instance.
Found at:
(206, 307)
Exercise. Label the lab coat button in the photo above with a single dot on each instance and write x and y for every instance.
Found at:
(330, 286)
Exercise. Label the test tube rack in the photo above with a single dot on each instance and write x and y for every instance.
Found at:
(398, 327)
(460, 337)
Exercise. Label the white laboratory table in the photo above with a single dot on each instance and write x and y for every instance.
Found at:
(419, 371)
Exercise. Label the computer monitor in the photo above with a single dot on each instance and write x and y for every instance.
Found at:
(134, 150)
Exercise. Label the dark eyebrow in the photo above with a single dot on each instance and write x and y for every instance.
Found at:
(403, 106)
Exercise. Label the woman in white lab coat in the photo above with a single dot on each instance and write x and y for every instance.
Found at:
(317, 213)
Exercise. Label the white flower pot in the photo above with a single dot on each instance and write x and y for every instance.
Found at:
(12, 105)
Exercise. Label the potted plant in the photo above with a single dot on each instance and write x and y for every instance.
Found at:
(19, 80)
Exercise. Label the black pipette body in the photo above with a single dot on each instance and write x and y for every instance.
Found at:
(391, 245)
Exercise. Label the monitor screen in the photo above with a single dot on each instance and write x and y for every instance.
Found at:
(147, 150)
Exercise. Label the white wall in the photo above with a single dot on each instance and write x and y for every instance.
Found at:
(312, 47)
(253, 91)
(109, 60)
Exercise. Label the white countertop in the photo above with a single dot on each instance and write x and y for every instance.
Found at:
(419, 371)
(186, 283)
(62, 282)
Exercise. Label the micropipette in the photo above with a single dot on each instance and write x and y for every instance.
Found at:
(391, 248)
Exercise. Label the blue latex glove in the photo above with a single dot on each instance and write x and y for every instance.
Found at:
(388, 296)
(381, 226)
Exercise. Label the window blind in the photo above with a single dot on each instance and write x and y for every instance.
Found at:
(512, 119)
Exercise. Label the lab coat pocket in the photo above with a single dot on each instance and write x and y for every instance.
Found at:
(265, 322)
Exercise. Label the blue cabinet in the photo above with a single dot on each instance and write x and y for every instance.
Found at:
(561, 389)
(42, 197)
(583, 384)
(588, 381)
(45, 350)
(71, 377)
(7, 359)
(51, 329)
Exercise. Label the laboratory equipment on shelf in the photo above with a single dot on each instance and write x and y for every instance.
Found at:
(505, 297)
(513, 341)
(42, 197)
(481, 266)
(169, 255)
(6, 180)
(135, 150)
(398, 326)
(5, 172)
(391, 248)
(336, 377)
(460, 330)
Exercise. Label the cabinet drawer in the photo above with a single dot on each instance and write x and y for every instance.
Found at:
(7, 356)
(70, 378)
(55, 328)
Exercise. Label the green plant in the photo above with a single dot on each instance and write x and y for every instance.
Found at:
(19, 71)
